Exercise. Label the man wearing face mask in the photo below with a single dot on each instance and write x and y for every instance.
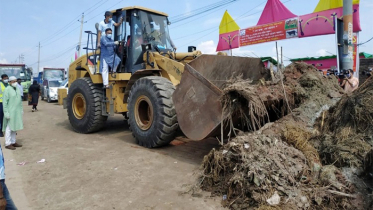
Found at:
(3, 84)
(108, 22)
(13, 114)
(108, 56)
(350, 83)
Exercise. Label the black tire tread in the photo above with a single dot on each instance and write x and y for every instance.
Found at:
(96, 121)
(167, 124)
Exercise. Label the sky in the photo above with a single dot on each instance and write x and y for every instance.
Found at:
(56, 25)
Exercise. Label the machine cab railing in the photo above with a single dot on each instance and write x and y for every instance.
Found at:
(139, 27)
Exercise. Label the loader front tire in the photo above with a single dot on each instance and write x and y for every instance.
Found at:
(151, 112)
(84, 106)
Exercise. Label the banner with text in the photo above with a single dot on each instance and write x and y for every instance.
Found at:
(284, 29)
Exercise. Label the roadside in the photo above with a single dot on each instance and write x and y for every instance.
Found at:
(105, 170)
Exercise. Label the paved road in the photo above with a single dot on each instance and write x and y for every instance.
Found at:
(105, 170)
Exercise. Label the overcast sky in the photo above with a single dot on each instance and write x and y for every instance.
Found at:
(23, 23)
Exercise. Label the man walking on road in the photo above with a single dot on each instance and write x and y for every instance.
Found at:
(6, 201)
(3, 85)
(13, 114)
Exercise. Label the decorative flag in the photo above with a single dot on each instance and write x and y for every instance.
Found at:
(76, 55)
(274, 11)
(228, 33)
(331, 4)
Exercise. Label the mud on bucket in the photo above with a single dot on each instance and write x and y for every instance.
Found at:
(197, 97)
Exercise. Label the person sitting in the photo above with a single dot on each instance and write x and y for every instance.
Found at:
(350, 83)
(108, 56)
(138, 38)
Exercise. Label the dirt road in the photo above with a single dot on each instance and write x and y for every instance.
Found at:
(105, 170)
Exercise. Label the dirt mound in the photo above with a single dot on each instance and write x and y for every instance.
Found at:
(275, 163)
(304, 92)
(346, 138)
(258, 170)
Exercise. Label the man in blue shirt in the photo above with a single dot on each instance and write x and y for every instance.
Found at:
(108, 56)
(6, 201)
(108, 22)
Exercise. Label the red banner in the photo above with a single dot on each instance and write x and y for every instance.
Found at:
(355, 55)
(269, 32)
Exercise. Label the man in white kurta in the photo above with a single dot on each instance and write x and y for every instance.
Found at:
(13, 113)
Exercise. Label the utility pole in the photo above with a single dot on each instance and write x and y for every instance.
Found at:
(81, 31)
(282, 60)
(21, 58)
(39, 59)
(347, 57)
(278, 61)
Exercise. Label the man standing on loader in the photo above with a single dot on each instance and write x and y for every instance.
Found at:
(108, 22)
(108, 57)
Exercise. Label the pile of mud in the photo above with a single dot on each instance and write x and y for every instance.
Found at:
(273, 162)
(253, 171)
(346, 138)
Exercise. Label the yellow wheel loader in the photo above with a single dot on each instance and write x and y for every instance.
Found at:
(156, 88)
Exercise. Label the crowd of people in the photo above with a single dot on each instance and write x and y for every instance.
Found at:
(11, 121)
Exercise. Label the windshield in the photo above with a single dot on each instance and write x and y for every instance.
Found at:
(54, 83)
(64, 83)
(17, 71)
(53, 74)
(155, 30)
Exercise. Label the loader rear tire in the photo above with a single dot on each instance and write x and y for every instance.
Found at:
(151, 112)
(84, 106)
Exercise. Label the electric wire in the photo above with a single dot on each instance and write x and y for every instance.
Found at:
(365, 42)
(197, 12)
(214, 27)
(241, 16)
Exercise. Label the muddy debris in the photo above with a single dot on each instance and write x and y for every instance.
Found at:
(285, 146)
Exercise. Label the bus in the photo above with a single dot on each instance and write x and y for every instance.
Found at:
(20, 71)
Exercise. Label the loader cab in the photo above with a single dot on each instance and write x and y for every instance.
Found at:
(140, 27)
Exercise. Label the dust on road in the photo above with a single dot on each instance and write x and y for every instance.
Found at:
(105, 170)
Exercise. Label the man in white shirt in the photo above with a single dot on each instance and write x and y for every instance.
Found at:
(108, 22)
(19, 84)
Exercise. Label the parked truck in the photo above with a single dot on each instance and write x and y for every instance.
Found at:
(20, 71)
(55, 74)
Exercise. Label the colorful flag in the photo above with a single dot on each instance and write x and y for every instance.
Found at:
(76, 55)
(274, 11)
(228, 33)
(331, 4)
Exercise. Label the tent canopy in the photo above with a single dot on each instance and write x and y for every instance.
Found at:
(331, 4)
(274, 11)
(227, 24)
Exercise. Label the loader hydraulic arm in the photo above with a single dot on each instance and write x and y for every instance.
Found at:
(171, 63)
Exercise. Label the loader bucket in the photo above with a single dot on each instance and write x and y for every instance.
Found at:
(197, 97)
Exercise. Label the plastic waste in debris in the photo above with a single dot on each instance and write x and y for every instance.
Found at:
(274, 200)
(41, 161)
